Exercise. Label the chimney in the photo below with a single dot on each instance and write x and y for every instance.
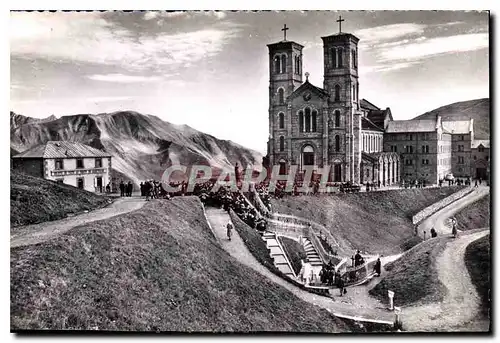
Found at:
(438, 122)
(471, 126)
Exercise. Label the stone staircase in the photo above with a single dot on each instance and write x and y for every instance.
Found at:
(311, 253)
(276, 251)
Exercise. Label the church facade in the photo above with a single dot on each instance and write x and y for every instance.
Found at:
(328, 127)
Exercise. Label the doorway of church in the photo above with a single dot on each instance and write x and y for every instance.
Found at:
(481, 173)
(337, 172)
(282, 168)
(308, 156)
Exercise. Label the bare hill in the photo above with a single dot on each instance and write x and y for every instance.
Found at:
(35, 200)
(143, 146)
(157, 269)
(478, 109)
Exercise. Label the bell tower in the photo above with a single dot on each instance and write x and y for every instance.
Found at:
(285, 75)
(340, 52)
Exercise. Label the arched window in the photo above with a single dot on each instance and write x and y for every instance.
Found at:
(314, 117)
(299, 65)
(337, 118)
(337, 93)
(277, 65)
(301, 121)
(308, 119)
(333, 53)
(337, 143)
(354, 62)
(339, 57)
(281, 120)
(282, 143)
(283, 63)
(281, 96)
(297, 70)
(354, 92)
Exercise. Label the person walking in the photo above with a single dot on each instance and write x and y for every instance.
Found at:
(378, 267)
(454, 230)
(130, 187)
(122, 188)
(229, 227)
(341, 286)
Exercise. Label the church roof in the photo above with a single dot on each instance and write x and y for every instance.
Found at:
(400, 126)
(477, 142)
(366, 105)
(378, 116)
(307, 85)
(342, 36)
(458, 126)
(62, 149)
(367, 124)
(284, 44)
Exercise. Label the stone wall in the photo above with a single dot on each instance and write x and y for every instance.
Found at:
(426, 212)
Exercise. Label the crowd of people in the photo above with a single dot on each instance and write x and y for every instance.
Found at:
(456, 181)
(230, 200)
(153, 189)
(126, 189)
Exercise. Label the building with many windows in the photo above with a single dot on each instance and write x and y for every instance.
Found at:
(75, 164)
(424, 146)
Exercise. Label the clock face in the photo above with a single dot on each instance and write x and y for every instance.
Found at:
(307, 96)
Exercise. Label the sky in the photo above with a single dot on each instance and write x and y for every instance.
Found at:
(209, 70)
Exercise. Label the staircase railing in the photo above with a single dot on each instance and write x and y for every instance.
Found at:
(292, 224)
(356, 275)
(311, 235)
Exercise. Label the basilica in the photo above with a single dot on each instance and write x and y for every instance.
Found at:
(328, 126)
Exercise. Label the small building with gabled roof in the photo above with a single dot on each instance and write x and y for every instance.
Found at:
(72, 163)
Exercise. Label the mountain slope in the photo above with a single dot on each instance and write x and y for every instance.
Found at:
(478, 109)
(143, 146)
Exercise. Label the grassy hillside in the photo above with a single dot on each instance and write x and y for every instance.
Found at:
(414, 277)
(36, 200)
(478, 109)
(475, 216)
(376, 222)
(478, 262)
(295, 253)
(157, 269)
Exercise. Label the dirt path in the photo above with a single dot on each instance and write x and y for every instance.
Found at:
(36, 233)
(438, 219)
(352, 306)
(461, 304)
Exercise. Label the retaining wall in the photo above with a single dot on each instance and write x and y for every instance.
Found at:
(426, 212)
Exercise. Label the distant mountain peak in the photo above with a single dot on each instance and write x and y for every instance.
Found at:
(142, 146)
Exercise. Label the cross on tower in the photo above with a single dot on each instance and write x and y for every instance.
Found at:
(307, 76)
(284, 29)
(340, 20)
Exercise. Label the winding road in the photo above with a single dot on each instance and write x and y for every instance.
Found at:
(37, 233)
